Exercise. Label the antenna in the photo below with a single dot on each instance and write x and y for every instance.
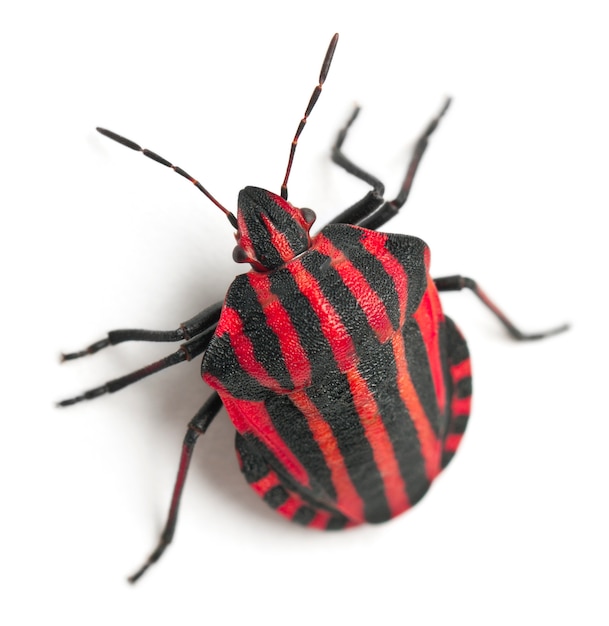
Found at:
(314, 97)
(178, 170)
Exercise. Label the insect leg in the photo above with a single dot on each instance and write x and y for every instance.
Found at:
(372, 211)
(187, 330)
(197, 426)
(186, 352)
(457, 283)
(374, 198)
(391, 207)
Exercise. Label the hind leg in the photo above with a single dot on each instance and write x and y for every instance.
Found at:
(197, 426)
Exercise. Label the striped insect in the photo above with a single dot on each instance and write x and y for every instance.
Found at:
(348, 387)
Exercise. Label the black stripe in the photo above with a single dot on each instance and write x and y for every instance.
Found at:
(458, 424)
(276, 496)
(417, 360)
(292, 426)
(447, 457)
(463, 388)
(253, 466)
(304, 515)
(264, 250)
(336, 522)
(399, 425)
(457, 348)
(409, 251)
(335, 402)
(221, 362)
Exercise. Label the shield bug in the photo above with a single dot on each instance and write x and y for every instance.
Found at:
(348, 387)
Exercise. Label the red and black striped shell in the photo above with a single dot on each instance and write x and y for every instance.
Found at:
(348, 386)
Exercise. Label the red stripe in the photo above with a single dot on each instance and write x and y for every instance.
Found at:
(430, 446)
(278, 240)
(278, 320)
(461, 370)
(429, 316)
(290, 506)
(243, 236)
(373, 307)
(452, 441)
(348, 500)
(265, 483)
(346, 357)
(374, 243)
(460, 406)
(320, 521)
(252, 417)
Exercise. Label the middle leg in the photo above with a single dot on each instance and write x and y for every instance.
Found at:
(198, 331)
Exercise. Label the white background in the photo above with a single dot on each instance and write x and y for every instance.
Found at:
(513, 192)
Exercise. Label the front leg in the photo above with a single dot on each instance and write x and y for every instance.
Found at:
(372, 211)
(374, 198)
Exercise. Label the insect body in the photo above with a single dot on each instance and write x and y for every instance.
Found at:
(343, 377)
(348, 386)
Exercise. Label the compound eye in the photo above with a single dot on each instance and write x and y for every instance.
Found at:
(239, 255)
(308, 215)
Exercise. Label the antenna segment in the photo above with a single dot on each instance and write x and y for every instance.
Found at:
(314, 97)
(178, 170)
